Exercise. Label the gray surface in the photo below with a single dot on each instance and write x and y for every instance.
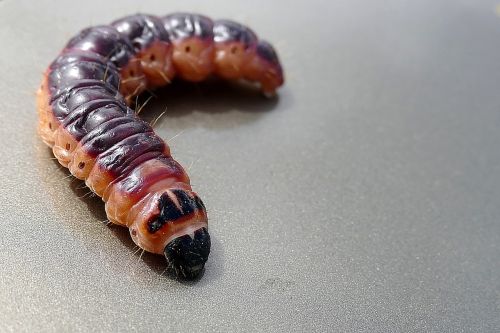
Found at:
(366, 198)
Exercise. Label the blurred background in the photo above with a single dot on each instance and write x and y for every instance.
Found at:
(365, 197)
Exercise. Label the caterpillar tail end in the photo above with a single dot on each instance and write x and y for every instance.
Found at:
(187, 254)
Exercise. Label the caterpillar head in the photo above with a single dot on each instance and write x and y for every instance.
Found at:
(188, 247)
(177, 227)
(187, 254)
(173, 223)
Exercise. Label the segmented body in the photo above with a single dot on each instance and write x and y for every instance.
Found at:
(84, 115)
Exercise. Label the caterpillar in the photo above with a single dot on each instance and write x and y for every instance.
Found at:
(86, 115)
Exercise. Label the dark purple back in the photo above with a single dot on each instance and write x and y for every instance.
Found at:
(230, 31)
(104, 40)
(141, 30)
(184, 25)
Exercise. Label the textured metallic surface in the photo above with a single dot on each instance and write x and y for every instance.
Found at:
(366, 198)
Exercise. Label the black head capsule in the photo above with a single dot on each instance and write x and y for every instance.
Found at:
(188, 254)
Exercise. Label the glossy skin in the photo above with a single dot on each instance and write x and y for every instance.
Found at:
(84, 116)
(235, 48)
(192, 37)
(152, 46)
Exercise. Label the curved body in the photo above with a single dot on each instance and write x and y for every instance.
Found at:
(84, 115)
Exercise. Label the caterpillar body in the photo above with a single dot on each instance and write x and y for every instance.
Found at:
(85, 115)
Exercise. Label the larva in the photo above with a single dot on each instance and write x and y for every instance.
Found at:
(85, 116)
